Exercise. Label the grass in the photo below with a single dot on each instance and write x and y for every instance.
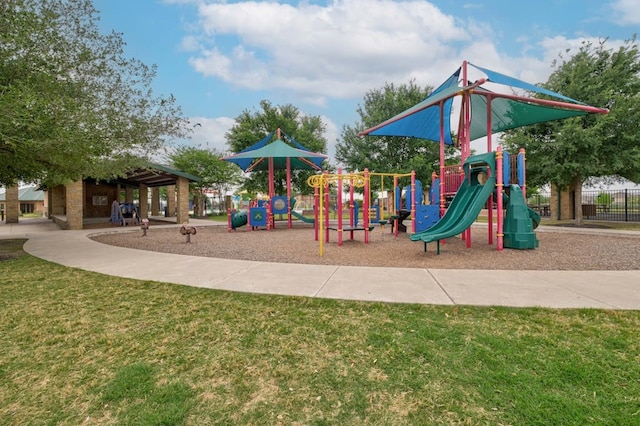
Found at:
(79, 347)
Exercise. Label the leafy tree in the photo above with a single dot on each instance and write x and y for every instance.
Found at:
(253, 127)
(215, 174)
(604, 199)
(71, 103)
(388, 154)
(567, 153)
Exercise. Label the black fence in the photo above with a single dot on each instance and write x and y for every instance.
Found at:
(540, 203)
(621, 205)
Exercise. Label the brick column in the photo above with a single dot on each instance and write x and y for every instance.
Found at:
(46, 208)
(561, 204)
(183, 200)
(155, 201)
(144, 201)
(11, 205)
(58, 203)
(75, 204)
(171, 200)
(49, 196)
(128, 194)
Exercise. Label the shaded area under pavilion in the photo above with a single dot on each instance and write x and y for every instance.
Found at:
(87, 202)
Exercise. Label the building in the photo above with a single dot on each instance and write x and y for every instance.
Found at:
(72, 205)
(31, 199)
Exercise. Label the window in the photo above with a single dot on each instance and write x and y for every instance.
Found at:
(26, 208)
(100, 200)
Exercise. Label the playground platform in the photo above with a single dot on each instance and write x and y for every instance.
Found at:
(551, 289)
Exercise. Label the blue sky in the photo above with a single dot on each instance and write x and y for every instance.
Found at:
(220, 58)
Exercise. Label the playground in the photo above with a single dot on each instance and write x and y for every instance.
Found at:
(488, 181)
(560, 248)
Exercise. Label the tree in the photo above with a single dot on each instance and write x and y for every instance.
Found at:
(388, 154)
(215, 174)
(71, 103)
(253, 127)
(567, 153)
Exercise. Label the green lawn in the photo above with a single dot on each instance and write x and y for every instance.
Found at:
(79, 347)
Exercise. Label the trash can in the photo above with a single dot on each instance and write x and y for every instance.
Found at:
(589, 210)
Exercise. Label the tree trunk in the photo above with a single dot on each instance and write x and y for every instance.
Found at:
(203, 205)
(196, 205)
(577, 207)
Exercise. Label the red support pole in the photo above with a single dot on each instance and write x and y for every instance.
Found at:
(272, 192)
(365, 206)
(249, 216)
(442, 188)
(500, 187)
(352, 214)
(339, 206)
(289, 193)
(413, 202)
(316, 211)
(326, 207)
(490, 200)
(396, 203)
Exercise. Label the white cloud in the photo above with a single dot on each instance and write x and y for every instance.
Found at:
(209, 133)
(332, 133)
(340, 50)
(315, 54)
(627, 12)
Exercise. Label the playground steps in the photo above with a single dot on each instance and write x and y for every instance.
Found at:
(518, 225)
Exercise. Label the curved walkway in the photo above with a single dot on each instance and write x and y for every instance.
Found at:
(553, 289)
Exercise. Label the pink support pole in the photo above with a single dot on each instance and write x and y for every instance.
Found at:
(396, 212)
(490, 200)
(524, 174)
(413, 202)
(352, 218)
(500, 187)
(339, 206)
(316, 210)
(249, 216)
(365, 206)
(326, 208)
(442, 159)
(289, 193)
(272, 192)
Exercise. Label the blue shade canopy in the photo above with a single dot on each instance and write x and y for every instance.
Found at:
(279, 151)
(423, 119)
(426, 119)
(262, 142)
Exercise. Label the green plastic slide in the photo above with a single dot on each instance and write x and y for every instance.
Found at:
(292, 203)
(302, 217)
(463, 211)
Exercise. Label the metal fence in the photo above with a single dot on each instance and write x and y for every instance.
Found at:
(621, 205)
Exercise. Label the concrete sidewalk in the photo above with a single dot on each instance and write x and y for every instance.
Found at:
(553, 289)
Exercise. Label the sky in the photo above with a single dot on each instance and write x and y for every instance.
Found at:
(220, 58)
